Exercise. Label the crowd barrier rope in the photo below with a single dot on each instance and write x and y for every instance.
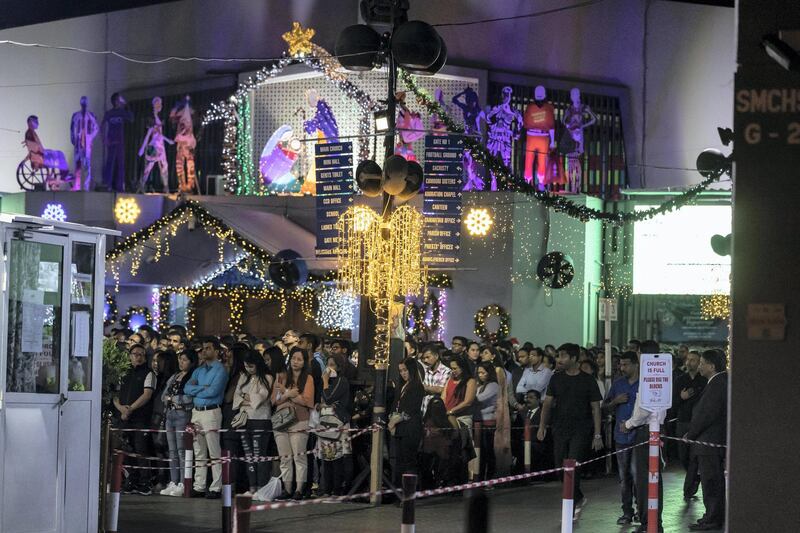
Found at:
(236, 510)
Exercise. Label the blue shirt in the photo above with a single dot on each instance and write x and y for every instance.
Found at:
(211, 379)
(623, 412)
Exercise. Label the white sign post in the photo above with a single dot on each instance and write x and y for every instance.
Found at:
(655, 395)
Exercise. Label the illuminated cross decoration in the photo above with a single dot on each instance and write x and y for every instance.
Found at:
(299, 40)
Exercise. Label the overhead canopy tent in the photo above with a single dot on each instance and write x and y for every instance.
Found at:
(194, 241)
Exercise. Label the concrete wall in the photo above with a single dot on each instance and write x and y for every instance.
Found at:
(555, 316)
(677, 100)
(49, 84)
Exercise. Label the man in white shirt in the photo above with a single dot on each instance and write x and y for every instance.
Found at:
(436, 376)
(639, 421)
(536, 376)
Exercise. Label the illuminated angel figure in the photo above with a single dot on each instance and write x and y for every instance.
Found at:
(505, 126)
(471, 109)
(577, 118)
(278, 157)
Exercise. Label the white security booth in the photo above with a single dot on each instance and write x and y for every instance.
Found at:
(51, 355)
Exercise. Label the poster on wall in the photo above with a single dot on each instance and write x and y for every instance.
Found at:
(681, 321)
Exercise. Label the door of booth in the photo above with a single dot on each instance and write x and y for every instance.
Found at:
(50, 405)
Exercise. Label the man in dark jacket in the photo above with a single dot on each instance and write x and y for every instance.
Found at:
(709, 424)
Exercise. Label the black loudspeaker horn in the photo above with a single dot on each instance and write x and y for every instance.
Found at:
(287, 270)
(357, 47)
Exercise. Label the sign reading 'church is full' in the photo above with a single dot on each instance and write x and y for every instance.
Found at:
(655, 381)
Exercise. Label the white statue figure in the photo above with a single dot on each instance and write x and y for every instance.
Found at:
(577, 117)
(154, 151)
(278, 157)
(83, 130)
(182, 116)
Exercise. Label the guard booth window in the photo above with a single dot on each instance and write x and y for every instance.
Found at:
(34, 317)
(81, 315)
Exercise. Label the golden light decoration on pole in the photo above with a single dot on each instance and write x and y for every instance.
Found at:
(381, 260)
(478, 221)
(126, 210)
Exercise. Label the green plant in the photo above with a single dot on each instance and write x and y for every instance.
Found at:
(116, 364)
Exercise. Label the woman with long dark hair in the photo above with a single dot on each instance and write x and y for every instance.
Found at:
(295, 392)
(487, 402)
(405, 423)
(178, 414)
(502, 434)
(252, 396)
(459, 393)
(164, 365)
(276, 363)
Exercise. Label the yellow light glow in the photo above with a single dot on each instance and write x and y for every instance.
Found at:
(126, 210)
(716, 306)
(478, 221)
(363, 217)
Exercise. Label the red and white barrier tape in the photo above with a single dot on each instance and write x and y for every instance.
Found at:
(701, 443)
(296, 503)
(373, 427)
(615, 452)
(261, 459)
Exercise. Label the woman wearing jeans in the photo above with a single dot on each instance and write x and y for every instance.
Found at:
(178, 410)
(488, 391)
(252, 397)
(297, 391)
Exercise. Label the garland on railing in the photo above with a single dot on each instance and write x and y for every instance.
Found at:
(558, 203)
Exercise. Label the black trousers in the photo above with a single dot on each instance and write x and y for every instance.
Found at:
(572, 443)
(712, 478)
(139, 441)
(406, 448)
(114, 170)
(488, 465)
(641, 455)
(689, 462)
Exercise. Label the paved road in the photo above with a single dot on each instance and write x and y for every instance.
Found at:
(534, 507)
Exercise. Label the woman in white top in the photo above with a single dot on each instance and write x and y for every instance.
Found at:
(252, 396)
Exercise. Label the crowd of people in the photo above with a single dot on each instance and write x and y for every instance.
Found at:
(299, 398)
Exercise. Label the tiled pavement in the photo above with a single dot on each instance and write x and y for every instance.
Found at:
(530, 508)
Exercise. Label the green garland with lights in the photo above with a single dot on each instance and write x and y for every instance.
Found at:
(559, 203)
(164, 308)
(113, 310)
(125, 320)
(418, 312)
(503, 330)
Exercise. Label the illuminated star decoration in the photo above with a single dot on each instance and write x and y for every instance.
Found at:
(126, 210)
(478, 221)
(54, 212)
(299, 40)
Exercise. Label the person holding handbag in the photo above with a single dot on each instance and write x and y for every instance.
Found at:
(164, 366)
(405, 422)
(252, 400)
(178, 407)
(293, 399)
(335, 414)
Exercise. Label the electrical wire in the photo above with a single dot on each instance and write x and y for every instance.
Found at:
(164, 59)
(516, 17)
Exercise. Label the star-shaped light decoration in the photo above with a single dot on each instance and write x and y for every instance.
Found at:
(299, 40)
